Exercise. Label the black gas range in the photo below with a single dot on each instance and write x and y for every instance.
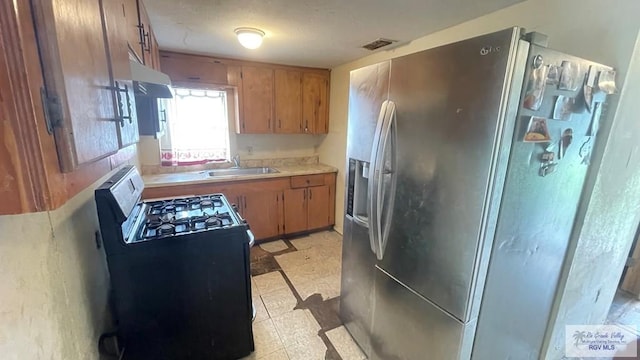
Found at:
(180, 285)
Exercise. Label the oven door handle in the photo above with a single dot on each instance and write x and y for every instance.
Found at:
(252, 239)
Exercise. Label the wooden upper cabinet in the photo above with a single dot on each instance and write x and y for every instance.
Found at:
(71, 53)
(188, 70)
(114, 26)
(269, 98)
(288, 98)
(257, 96)
(78, 84)
(315, 103)
(140, 37)
(134, 36)
(146, 34)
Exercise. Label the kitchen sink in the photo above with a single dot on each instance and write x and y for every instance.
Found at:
(243, 171)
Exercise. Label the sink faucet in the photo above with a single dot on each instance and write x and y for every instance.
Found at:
(236, 161)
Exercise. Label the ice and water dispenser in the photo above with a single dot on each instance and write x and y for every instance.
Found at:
(357, 191)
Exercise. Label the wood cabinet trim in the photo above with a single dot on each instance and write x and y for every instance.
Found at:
(237, 62)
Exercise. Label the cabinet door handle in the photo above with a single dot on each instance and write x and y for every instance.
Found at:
(120, 117)
(244, 200)
(141, 34)
(304, 196)
(310, 194)
(146, 41)
(129, 106)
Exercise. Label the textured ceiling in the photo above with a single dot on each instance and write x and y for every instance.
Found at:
(318, 33)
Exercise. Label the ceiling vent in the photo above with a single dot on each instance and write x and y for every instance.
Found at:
(377, 44)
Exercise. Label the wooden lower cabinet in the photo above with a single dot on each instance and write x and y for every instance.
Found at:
(295, 210)
(307, 209)
(272, 207)
(318, 207)
(260, 209)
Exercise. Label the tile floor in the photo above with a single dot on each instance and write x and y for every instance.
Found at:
(296, 289)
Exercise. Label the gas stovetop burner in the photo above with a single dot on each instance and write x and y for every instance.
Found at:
(178, 216)
(157, 220)
(213, 221)
(166, 229)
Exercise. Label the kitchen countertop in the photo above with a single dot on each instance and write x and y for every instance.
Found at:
(201, 177)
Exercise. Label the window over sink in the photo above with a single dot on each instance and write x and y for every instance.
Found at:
(197, 128)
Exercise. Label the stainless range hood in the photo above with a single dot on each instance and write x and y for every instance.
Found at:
(149, 82)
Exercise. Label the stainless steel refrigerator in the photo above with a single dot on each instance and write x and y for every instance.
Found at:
(462, 190)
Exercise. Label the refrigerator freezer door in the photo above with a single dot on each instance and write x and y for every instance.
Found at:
(449, 110)
(356, 297)
(368, 89)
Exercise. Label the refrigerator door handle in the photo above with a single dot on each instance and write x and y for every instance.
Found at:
(376, 174)
(372, 196)
(386, 190)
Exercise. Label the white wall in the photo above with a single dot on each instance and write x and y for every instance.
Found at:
(53, 283)
(603, 32)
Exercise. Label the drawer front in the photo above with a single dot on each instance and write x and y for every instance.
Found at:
(307, 180)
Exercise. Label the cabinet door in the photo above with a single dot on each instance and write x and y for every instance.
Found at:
(76, 72)
(260, 209)
(186, 69)
(134, 37)
(295, 210)
(145, 33)
(318, 207)
(234, 197)
(315, 104)
(114, 24)
(288, 98)
(257, 99)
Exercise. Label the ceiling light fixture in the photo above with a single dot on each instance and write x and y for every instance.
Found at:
(251, 38)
